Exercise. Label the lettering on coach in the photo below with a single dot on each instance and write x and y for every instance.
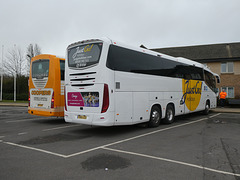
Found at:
(192, 91)
(41, 92)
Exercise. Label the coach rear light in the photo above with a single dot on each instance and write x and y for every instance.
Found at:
(52, 101)
(105, 104)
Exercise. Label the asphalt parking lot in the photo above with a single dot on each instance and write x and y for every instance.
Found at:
(195, 146)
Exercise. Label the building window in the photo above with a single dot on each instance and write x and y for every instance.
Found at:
(227, 67)
(229, 91)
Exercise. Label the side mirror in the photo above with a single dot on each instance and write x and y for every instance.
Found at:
(216, 91)
(218, 79)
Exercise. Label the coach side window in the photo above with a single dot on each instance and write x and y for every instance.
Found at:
(210, 80)
(62, 69)
(122, 59)
(196, 73)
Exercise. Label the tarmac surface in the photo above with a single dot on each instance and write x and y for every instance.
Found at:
(195, 146)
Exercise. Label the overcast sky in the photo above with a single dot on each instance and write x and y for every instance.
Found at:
(54, 24)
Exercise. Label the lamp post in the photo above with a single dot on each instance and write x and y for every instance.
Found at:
(2, 76)
(15, 82)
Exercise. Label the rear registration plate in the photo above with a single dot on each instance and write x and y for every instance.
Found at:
(40, 105)
(82, 117)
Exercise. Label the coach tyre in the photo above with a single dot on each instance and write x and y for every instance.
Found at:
(155, 117)
(169, 117)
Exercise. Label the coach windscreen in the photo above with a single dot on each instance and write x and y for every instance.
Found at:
(82, 56)
(40, 68)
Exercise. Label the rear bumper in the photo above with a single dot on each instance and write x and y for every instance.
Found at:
(95, 119)
(58, 112)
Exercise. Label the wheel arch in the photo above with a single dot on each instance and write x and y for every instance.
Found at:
(208, 102)
(171, 104)
(169, 113)
(207, 107)
(160, 108)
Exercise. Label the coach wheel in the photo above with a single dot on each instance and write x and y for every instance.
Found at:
(169, 117)
(207, 108)
(155, 117)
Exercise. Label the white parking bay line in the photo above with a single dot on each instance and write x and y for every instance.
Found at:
(83, 152)
(22, 133)
(62, 127)
(23, 120)
(35, 149)
(215, 115)
(106, 145)
(173, 161)
(139, 136)
(154, 132)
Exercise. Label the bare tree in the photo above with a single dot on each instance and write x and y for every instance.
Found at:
(14, 62)
(32, 50)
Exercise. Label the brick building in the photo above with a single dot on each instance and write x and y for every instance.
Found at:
(223, 59)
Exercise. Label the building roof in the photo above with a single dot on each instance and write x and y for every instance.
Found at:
(203, 53)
